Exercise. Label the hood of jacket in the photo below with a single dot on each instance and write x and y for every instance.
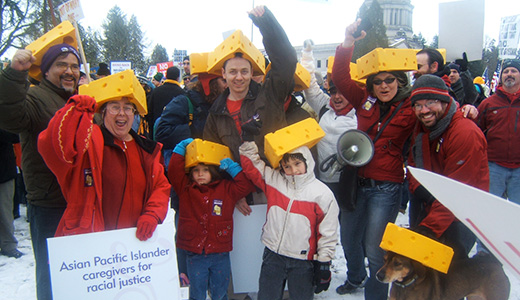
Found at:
(303, 179)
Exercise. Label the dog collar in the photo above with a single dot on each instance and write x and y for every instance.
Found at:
(407, 282)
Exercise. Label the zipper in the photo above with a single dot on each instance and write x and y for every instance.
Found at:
(285, 221)
(516, 120)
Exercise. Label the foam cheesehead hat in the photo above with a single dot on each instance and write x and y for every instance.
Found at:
(353, 72)
(430, 87)
(235, 43)
(116, 86)
(302, 77)
(199, 66)
(386, 60)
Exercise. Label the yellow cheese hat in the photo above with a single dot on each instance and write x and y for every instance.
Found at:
(302, 77)
(236, 43)
(64, 33)
(353, 71)
(388, 59)
(115, 87)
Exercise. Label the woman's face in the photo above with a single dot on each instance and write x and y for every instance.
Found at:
(119, 117)
(385, 86)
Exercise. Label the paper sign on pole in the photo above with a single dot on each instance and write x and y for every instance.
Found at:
(509, 37)
(152, 70)
(71, 11)
(162, 67)
(492, 219)
(120, 66)
(115, 265)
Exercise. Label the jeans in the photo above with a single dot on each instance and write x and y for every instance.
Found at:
(362, 231)
(277, 269)
(7, 240)
(208, 270)
(43, 224)
(504, 180)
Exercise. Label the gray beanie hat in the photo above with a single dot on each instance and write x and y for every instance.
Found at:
(430, 87)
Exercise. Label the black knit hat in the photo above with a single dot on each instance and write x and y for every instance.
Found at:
(510, 63)
(454, 66)
(430, 87)
(103, 69)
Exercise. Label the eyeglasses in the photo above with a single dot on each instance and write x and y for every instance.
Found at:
(115, 109)
(63, 66)
(386, 80)
(428, 105)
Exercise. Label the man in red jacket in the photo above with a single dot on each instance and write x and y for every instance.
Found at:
(498, 118)
(447, 143)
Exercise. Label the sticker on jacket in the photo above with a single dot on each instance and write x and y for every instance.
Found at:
(369, 103)
(89, 180)
(217, 207)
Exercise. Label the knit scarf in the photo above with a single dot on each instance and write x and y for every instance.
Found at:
(435, 132)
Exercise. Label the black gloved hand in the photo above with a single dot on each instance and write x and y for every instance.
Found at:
(423, 195)
(463, 63)
(251, 128)
(322, 276)
(427, 232)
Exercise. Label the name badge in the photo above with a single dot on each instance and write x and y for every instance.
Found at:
(369, 103)
(217, 207)
(89, 180)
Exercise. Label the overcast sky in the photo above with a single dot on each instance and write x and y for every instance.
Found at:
(197, 25)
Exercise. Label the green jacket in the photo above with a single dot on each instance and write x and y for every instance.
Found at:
(27, 111)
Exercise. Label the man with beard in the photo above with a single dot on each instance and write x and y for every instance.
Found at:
(498, 118)
(446, 143)
(26, 111)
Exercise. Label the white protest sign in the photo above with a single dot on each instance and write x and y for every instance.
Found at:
(152, 70)
(71, 10)
(246, 257)
(495, 221)
(115, 265)
(120, 66)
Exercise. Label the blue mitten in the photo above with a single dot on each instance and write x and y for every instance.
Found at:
(180, 148)
(228, 165)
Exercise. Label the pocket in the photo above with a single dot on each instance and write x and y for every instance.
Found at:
(187, 229)
(224, 231)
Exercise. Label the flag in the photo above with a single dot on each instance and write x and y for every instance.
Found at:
(485, 76)
(496, 78)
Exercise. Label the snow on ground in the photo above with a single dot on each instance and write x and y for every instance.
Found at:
(17, 275)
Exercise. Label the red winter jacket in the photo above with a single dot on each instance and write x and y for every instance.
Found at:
(499, 118)
(206, 211)
(77, 152)
(459, 153)
(387, 163)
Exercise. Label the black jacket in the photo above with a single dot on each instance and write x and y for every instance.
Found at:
(8, 165)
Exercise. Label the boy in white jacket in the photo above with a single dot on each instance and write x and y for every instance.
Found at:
(301, 230)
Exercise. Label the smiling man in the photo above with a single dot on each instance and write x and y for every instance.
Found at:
(27, 111)
(499, 120)
(446, 143)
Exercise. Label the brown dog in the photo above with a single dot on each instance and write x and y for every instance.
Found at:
(477, 278)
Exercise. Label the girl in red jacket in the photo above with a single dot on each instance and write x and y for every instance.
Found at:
(205, 231)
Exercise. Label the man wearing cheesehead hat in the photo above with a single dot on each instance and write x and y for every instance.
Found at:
(247, 110)
(446, 143)
(498, 118)
(27, 112)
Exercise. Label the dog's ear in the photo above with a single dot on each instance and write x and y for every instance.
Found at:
(419, 268)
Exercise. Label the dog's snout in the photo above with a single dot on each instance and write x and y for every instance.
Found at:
(380, 275)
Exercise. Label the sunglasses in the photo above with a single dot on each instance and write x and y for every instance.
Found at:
(386, 80)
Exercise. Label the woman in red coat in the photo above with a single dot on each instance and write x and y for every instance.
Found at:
(111, 177)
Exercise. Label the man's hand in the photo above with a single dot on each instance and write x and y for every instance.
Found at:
(22, 60)
(243, 207)
(470, 111)
(349, 34)
(257, 11)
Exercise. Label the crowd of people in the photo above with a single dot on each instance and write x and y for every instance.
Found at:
(125, 157)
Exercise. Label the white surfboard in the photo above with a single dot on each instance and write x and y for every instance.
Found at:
(494, 220)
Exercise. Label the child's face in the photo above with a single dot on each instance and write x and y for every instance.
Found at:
(294, 167)
(200, 174)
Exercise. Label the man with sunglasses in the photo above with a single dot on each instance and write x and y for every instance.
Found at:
(27, 111)
(447, 143)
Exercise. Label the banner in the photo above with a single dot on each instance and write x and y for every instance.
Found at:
(115, 265)
(492, 219)
(509, 37)
(71, 11)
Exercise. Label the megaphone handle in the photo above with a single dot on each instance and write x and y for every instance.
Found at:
(327, 163)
